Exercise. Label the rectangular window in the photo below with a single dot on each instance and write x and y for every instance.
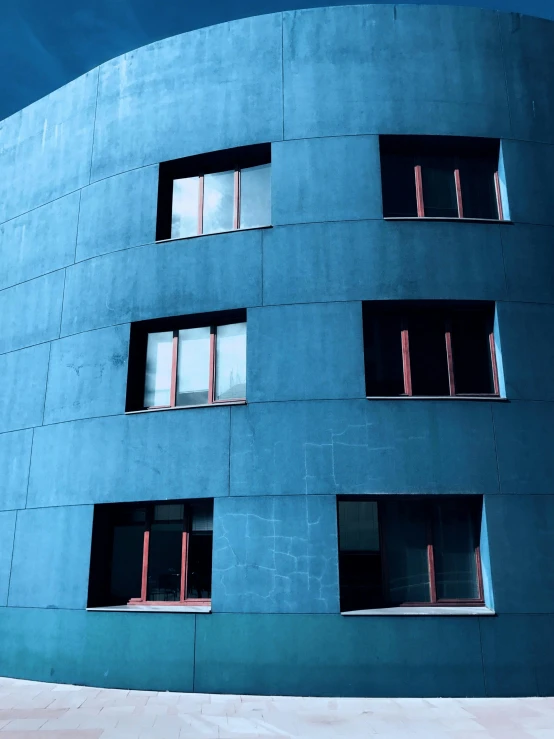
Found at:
(152, 553)
(179, 363)
(214, 193)
(436, 349)
(418, 551)
(440, 177)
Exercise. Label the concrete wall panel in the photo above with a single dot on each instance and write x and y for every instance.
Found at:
(15, 455)
(187, 276)
(529, 181)
(38, 242)
(373, 69)
(362, 446)
(87, 375)
(58, 575)
(529, 262)
(24, 380)
(46, 148)
(328, 179)
(146, 456)
(275, 555)
(238, 69)
(7, 531)
(304, 352)
(128, 203)
(379, 260)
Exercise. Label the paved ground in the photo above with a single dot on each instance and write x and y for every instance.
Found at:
(50, 711)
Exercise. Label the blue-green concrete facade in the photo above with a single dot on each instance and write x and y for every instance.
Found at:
(79, 263)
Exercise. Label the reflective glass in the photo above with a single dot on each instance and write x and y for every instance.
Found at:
(159, 356)
(193, 366)
(199, 576)
(428, 360)
(407, 564)
(219, 199)
(383, 354)
(164, 561)
(231, 362)
(399, 190)
(126, 574)
(184, 213)
(439, 187)
(478, 188)
(255, 196)
(455, 535)
(472, 353)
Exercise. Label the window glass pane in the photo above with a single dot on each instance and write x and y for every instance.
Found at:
(184, 213)
(193, 366)
(164, 561)
(399, 191)
(126, 573)
(230, 364)
(406, 540)
(439, 187)
(471, 353)
(255, 196)
(428, 363)
(455, 537)
(219, 198)
(359, 556)
(383, 354)
(159, 358)
(199, 576)
(478, 188)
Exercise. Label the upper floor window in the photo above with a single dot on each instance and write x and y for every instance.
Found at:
(187, 361)
(434, 349)
(152, 553)
(216, 192)
(440, 177)
(421, 551)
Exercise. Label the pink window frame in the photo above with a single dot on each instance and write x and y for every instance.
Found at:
(236, 202)
(406, 363)
(459, 199)
(212, 369)
(434, 601)
(183, 600)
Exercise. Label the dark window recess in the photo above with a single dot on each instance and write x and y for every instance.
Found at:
(440, 177)
(151, 553)
(435, 349)
(417, 551)
(187, 361)
(215, 192)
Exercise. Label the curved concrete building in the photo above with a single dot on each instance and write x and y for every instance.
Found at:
(356, 205)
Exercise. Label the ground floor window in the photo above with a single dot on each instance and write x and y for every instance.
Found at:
(152, 553)
(418, 551)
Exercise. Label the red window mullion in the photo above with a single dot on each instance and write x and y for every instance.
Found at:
(494, 365)
(211, 378)
(419, 191)
(449, 358)
(406, 360)
(236, 205)
(200, 204)
(498, 196)
(144, 580)
(431, 561)
(184, 562)
(173, 386)
(458, 196)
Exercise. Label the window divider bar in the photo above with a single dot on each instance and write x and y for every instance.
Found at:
(236, 204)
(431, 562)
(494, 365)
(211, 376)
(406, 361)
(419, 191)
(498, 196)
(459, 193)
(184, 563)
(450, 358)
(201, 205)
(173, 386)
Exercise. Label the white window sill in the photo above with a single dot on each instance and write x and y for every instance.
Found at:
(215, 233)
(424, 611)
(451, 219)
(487, 398)
(154, 609)
(188, 407)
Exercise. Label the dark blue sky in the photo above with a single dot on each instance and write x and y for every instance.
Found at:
(46, 43)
